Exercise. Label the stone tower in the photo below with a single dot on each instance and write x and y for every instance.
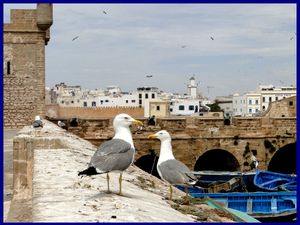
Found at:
(192, 88)
(25, 38)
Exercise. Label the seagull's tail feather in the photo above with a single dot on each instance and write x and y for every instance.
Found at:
(89, 171)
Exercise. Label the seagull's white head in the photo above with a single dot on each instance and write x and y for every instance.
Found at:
(161, 135)
(124, 120)
(37, 118)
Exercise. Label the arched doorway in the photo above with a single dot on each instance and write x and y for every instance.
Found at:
(217, 160)
(148, 163)
(284, 160)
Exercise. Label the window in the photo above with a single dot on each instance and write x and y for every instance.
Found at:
(140, 95)
(250, 110)
(256, 102)
(264, 99)
(291, 103)
(132, 101)
(157, 108)
(171, 110)
(106, 100)
(270, 99)
(146, 95)
(250, 102)
(126, 101)
(8, 67)
(72, 102)
(181, 107)
(153, 95)
(140, 102)
(256, 110)
(93, 104)
(84, 104)
(276, 98)
(101, 102)
(264, 108)
(62, 102)
(191, 107)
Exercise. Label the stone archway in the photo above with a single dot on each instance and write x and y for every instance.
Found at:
(217, 160)
(148, 163)
(284, 160)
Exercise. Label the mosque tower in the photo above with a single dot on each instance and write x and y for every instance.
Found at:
(192, 88)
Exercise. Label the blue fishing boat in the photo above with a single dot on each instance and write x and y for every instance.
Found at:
(208, 179)
(260, 205)
(271, 181)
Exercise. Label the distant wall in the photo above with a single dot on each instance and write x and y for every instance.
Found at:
(57, 112)
(283, 108)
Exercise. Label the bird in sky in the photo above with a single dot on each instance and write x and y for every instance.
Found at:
(115, 155)
(291, 38)
(149, 76)
(212, 38)
(104, 12)
(183, 46)
(74, 38)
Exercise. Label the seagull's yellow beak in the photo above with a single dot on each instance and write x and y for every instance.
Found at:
(152, 136)
(137, 122)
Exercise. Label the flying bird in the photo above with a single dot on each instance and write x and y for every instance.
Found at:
(149, 76)
(291, 38)
(169, 169)
(183, 46)
(212, 38)
(116, 154)
(75, 38)
(104, 12)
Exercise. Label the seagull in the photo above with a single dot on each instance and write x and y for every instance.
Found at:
(149, 76)
(254, 162)
(37, 123)
(169, 169)
(212, 38)
(61, 124)
(183, 46)
(104, 12)
(75, 38)
(115, 155)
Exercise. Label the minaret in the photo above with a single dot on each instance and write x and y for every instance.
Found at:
(192, 88)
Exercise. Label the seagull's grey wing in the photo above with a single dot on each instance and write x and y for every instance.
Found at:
(175, 172)
(37, 123)
(115, 154)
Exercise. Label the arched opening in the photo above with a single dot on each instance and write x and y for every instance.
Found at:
(148, 163)
(226, 122)
(217, 160)
(284, 160)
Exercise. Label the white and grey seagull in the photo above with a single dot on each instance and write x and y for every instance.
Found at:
(170, 169)
(115, 155)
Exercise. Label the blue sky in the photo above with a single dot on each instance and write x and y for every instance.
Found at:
(252, 44)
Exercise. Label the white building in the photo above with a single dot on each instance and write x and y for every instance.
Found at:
(225, 103)
(256, 102)
(145, 96)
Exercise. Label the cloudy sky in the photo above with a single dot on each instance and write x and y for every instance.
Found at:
(231, 48)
